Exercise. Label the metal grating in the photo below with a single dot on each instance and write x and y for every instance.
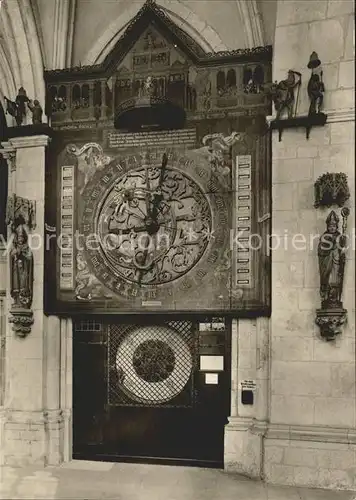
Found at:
(87, 326)
(152, 364)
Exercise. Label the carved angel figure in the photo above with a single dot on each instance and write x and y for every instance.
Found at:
(215, 149)
(91, 158)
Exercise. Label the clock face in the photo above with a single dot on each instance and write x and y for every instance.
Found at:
(161, 224)
(154, 225)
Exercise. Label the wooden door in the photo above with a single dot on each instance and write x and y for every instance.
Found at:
(153, 391)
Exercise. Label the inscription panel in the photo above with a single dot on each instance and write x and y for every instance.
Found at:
(168, 139)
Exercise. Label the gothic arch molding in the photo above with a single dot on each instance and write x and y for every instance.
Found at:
(251, 21)
(24, 57)
(207, 38)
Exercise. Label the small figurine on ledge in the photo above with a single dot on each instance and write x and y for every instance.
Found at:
(17, 109)
(316, 86)
(36, 111)
(283, 94)
(147, 88)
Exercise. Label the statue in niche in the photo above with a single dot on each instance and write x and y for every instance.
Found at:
(316, 86)
(21, 269)
(147, 88)
(331, 254)
(36, 111)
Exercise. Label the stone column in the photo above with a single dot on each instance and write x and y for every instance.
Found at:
(248, 423)
(103, 100)
(33, 418)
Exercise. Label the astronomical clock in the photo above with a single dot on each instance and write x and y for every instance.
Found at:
(158, 180)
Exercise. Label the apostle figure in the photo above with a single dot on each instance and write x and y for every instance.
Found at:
(331, 253)
(21, 269)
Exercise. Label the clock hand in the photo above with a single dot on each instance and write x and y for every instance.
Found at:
(158, 196)
(163, 168)
(147, 196)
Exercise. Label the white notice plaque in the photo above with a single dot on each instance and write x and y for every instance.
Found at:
(248, 385)
(212, 363)
(212, 378)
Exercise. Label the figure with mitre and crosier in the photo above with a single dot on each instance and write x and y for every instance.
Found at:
(331, 254)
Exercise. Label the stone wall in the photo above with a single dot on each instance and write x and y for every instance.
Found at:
(312, 435)
(35, 418)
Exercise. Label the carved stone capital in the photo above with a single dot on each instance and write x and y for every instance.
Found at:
(30, 141)
(330, 322)
(10, 156)
(22, 320)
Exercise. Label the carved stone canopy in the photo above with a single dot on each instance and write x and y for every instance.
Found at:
(20, 211)
(331, 189)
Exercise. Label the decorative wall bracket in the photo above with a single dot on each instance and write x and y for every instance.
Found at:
(21, 214)
(330, 322)
(307, 122)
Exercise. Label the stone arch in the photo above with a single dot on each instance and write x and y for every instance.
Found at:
(251, 21)
(186, 19)
(3, 173)
(24, 56)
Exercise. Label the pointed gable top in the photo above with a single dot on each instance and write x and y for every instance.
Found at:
(151, 14)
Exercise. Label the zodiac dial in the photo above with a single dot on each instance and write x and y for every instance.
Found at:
(154, 221)
(153, 225)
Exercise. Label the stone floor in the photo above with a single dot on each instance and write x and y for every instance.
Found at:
(97, 480)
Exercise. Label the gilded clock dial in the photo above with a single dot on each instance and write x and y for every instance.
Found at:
(154, 225)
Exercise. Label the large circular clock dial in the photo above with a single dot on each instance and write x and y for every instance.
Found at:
(160, 226)
(154, 226)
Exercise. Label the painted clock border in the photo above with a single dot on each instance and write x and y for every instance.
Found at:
(249, 294)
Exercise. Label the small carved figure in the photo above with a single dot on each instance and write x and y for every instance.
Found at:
(59, 104)
(36, 111)
(331, 254)
(21, 269)
(316, 86)
(17, 109)
(283, 93)
(147, 88)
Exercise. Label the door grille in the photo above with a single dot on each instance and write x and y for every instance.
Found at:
(152, 365)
